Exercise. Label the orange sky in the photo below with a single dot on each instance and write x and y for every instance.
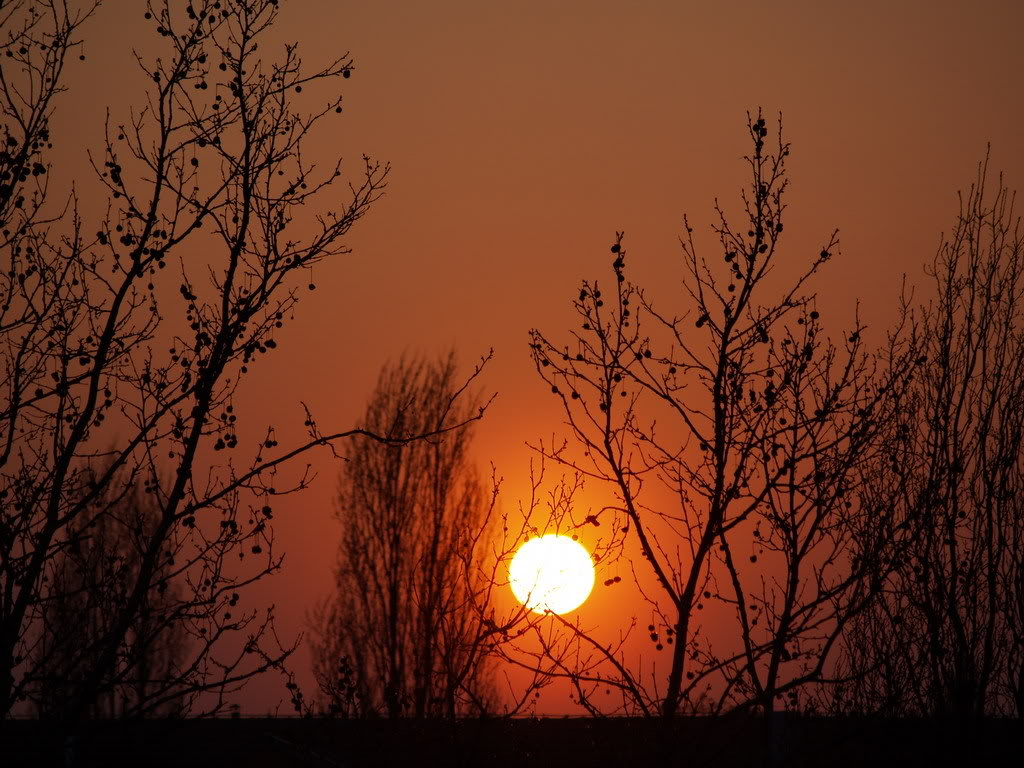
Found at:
(523, 135)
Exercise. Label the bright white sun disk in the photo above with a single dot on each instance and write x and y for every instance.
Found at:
(551, 573)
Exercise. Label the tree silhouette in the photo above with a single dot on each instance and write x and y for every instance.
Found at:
(947, 639)
(90, 578)
(735, 401)
(399, 633)
(137, 332)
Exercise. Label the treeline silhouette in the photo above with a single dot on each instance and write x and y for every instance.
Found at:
(854, 508)
(826, 526)
(851, 513)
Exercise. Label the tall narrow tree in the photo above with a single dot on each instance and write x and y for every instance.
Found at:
(401, 633)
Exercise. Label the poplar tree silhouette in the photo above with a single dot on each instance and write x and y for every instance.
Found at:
(399, 635)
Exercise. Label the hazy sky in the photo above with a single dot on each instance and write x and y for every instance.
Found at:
(523, 135)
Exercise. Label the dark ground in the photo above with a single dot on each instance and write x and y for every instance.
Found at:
(559, 743)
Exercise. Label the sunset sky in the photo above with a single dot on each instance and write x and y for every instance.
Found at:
(523, 135)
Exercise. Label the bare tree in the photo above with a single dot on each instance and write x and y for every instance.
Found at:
(81, 605)
(758, 425)
(139, 331)
(948, 640)
(401, 621)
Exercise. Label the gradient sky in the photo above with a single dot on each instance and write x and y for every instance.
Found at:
(523, 135)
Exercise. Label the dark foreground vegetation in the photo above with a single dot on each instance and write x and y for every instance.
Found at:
(844, 531)
(559, 743)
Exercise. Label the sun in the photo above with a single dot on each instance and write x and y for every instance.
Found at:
(551, 573)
